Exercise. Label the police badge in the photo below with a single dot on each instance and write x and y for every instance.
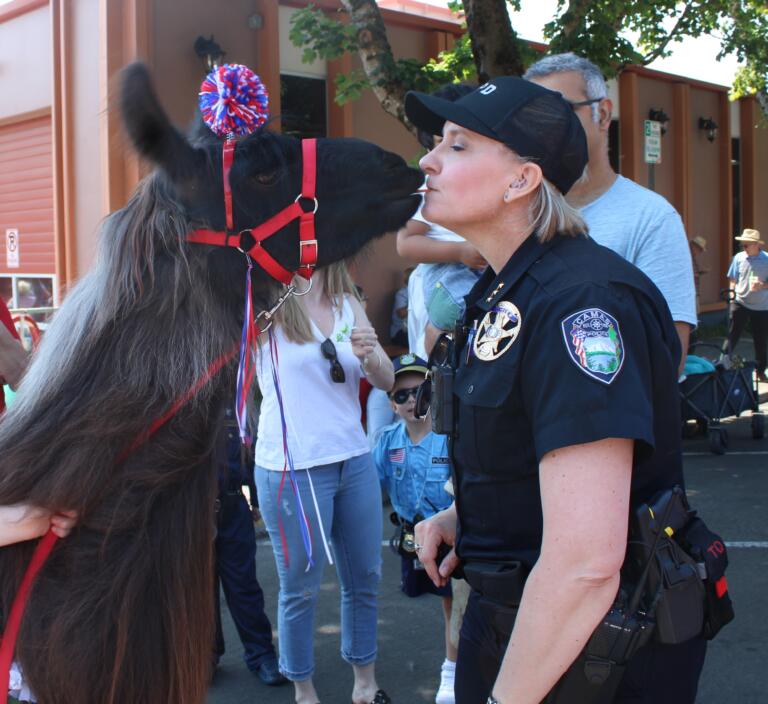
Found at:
(497, 331)
(593, 340)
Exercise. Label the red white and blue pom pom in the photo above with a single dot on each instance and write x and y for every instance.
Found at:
(233, 101)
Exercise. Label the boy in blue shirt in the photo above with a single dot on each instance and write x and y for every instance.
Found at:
(413, 465)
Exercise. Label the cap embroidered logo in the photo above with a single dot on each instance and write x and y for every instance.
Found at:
(487, 88)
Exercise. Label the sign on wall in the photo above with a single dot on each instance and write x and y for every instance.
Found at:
(652, 142)
(12, 249)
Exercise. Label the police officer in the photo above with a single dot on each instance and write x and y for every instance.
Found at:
(236, 562)
(565, 397)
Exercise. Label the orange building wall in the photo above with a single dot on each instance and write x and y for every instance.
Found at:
(703, 190)
(25, 63)
(86, 99)
(176, 67)
(659, 95)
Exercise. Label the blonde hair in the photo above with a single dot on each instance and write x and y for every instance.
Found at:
(293, 318)
(550, 214)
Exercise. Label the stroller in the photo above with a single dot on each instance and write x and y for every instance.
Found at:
(708, 397)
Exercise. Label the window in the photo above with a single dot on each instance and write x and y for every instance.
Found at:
(302, 106)
(28, 291)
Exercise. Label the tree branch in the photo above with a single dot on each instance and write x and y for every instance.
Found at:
(495, 45)
(376, 56)
(574, 16)
(677, 29)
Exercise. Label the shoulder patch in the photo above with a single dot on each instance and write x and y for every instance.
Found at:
(593, 340)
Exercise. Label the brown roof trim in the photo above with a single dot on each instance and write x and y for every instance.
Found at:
(646, 72)
(402, 18)
(19, 7)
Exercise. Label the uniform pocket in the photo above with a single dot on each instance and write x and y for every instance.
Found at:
(436, 498)
(491, 423)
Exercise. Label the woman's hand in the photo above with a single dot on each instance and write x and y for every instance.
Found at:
(430, 535)
(374, 362)
(364, 341)
(22, 522)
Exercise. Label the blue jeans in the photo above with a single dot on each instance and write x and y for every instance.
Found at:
(349, 497)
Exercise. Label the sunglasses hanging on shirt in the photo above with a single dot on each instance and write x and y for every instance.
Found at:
(328, 350)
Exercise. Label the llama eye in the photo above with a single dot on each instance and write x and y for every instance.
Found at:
(266, 179)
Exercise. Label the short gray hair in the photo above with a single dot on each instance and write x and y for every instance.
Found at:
(594, 82)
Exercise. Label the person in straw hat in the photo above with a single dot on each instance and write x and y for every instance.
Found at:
(748, 275)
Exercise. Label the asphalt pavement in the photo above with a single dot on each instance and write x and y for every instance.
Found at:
(730, 491)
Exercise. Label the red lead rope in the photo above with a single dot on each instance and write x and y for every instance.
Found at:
(12, 625)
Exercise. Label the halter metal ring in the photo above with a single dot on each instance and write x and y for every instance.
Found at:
(300, 196)
(306, 291)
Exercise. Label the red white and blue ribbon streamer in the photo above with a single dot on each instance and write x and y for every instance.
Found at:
(291, 471)
(246, 368)
(233, 101)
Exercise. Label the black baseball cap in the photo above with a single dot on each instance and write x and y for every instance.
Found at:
(533, 121)
(409, 363)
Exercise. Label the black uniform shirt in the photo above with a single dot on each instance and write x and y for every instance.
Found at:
(569, 344)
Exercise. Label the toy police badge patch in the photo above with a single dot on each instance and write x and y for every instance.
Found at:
(593, 340)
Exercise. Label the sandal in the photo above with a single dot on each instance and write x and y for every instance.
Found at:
(381, 698)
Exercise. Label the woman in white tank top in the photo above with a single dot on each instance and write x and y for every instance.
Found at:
(318, 489)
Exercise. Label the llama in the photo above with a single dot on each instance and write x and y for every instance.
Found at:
(122, 612)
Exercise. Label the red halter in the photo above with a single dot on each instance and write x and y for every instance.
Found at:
(307, 241)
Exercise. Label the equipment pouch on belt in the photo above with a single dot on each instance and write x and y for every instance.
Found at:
(675, 590)
(708, 549)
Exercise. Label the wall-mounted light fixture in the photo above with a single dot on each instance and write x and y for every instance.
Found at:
(659, 116)
(709, 126)
(210, 53)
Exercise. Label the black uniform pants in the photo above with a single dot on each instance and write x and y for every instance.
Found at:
(658, 674)
(236, 570)
(739, 317)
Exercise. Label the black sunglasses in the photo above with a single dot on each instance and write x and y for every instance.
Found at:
(402, 395)
(328, 350)
(584, 102)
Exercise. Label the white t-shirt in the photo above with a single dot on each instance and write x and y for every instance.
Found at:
(437, 232)
(322, 417)
(646, 230)
(417, 312)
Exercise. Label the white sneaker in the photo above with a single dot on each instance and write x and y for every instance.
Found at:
(445, 693)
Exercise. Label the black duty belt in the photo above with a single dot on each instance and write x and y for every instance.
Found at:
(499, 582)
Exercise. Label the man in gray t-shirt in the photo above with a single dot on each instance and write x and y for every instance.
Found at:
(636, 223)
(748, 275)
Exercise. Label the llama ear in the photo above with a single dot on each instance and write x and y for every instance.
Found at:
(149, 128)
